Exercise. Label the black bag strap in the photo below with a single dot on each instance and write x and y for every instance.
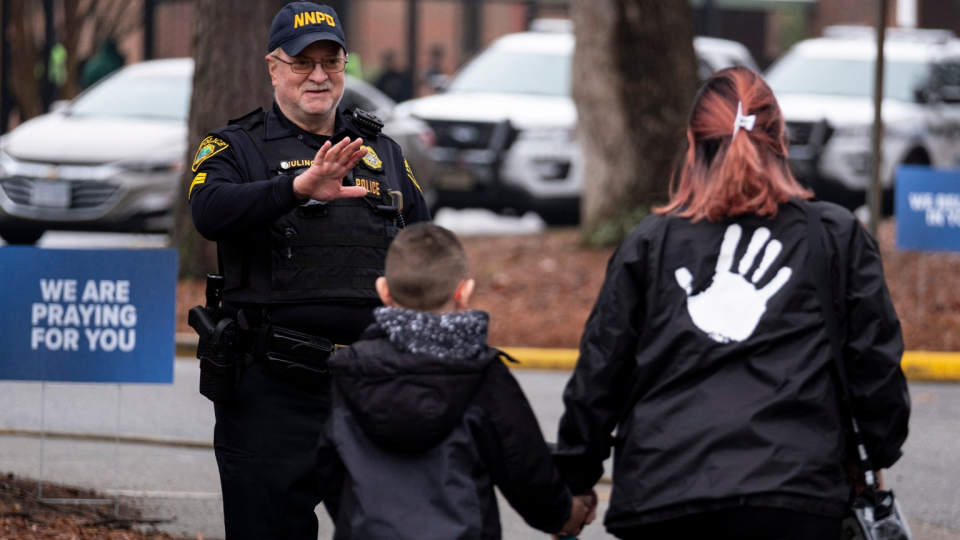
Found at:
(506, 356)
(820, 277)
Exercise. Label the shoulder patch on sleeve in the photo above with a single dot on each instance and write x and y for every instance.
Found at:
(209, 147)
(410, 175)
(199, 179)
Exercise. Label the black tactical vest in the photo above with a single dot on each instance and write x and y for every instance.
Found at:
(324, 252)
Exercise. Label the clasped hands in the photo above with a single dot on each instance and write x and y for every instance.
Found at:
(582, 512)
(323, 181)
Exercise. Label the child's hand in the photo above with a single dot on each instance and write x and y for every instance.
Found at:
(855, 476)
(578, 517)
(590, 499)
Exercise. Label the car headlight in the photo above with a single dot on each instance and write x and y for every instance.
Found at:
(549, 135)
(861, 162)
(5, 164)
(552, 169)
(903, 130)
(857, 131)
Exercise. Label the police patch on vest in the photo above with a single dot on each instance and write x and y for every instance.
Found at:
(209, 147)
(372, 186)
(372, 160)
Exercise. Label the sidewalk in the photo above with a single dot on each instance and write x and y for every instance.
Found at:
(164, 461)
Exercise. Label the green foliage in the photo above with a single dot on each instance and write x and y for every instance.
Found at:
(611, 231)
(793, 28)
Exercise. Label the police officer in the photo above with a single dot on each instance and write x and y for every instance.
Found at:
(303, 201)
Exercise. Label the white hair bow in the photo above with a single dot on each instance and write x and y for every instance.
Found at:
(746, 122)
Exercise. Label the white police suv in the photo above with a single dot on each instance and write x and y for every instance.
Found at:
(506, 123)
(825, 89)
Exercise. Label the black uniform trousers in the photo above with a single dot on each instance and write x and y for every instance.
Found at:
(266, 441)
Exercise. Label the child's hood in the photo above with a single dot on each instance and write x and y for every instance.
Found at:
(409, 381)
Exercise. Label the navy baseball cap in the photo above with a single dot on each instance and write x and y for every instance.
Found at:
(299, 24)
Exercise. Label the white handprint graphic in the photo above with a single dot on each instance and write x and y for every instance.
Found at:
(731, 307)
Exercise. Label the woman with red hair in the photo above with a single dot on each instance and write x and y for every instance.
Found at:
(707, 350)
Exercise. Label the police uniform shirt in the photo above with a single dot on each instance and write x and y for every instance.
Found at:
(234, 197)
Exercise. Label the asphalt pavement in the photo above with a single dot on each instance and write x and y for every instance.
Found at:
(150, 444)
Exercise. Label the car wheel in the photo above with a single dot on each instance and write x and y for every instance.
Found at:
(20, 235)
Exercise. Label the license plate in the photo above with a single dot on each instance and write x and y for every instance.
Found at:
(50, 194)
(456, 179)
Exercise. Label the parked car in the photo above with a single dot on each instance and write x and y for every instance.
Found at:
(825, 89)
(506, 123)
(111, 159)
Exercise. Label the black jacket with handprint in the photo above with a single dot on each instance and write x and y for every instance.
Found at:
(707, 352)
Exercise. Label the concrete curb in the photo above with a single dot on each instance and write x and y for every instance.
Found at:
(154, 440)
(931, 366)
(917, 365)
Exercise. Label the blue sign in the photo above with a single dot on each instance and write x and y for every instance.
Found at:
(927, 207)
(87, 315)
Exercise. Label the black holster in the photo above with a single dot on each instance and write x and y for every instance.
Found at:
(220, 352)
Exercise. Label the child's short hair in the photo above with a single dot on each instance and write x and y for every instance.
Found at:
(425, 264)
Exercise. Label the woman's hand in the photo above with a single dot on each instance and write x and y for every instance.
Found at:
(857, 479)
(590, 499)
(582, 512)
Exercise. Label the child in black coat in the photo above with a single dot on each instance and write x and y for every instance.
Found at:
(426, 417)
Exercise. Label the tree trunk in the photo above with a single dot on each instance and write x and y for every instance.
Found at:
(634, 75)
(24, 80)
(230, 79)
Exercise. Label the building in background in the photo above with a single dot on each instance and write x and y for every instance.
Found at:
(460, 28)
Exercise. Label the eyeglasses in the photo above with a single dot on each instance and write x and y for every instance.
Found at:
(304, 66)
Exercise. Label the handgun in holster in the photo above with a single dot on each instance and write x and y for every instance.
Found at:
(219, 348)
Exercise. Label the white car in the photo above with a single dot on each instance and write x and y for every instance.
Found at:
(506, 123)
(109, 160)
(113, 158)
(825, 89)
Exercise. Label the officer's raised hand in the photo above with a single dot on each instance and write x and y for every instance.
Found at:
(323, 181)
